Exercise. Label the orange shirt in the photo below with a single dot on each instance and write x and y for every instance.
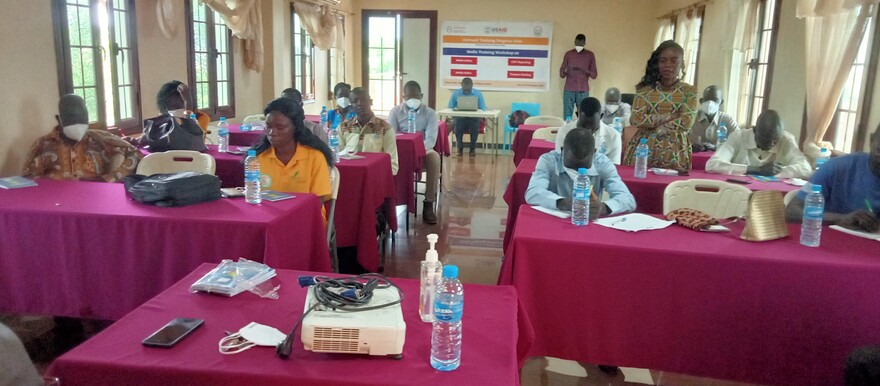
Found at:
(306, 172)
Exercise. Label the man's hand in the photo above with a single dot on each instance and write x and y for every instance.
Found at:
(861, 220)
(574, 68)
(183, 90)
(597, 209)
(768, 169)
(564, 204)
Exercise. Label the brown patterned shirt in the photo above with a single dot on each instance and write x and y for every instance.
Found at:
(99, 156)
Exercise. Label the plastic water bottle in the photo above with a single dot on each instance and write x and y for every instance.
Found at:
(252, 178)
(324, 117)
(333, 142)
(617, 125)
(411, 121)
(642, 159)
(720, 135)
(446, 332)
(580, 199)
(223, 136)
(430, 278)
(814, 211)
(824, 156)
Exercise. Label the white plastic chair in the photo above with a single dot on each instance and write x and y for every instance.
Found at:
(331, 223)
(718, 199)
(789, 196)
(175, 161)
(548, 133)
(545, 120)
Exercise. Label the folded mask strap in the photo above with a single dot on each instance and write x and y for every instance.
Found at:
(234, 344)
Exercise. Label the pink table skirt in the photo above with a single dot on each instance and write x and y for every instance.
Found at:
(539, 147)
(492, 328)
(698, 160)
(707, 304)
(243, 138)
(515, 194)
(84, 249)
(521, 141)
(442, 145)
(410, 154)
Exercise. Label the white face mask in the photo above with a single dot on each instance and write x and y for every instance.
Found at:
(179, 113)
(413, 103)
(75, 132)
(612, 108)
(709, 107)
(578, 48)
(343, 102)
(254, 334)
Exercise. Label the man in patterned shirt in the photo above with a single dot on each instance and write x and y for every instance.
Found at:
(366, 132)
(74, 152)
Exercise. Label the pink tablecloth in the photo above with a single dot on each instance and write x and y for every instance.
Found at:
(515, 194)
(410, 154)
(365, 185)
(521, 141)
(243, 138)
(698, 160)
(492, 330)
(84, 249)
(442, 144)
(707, 304)
(538, 147)
(229, 167)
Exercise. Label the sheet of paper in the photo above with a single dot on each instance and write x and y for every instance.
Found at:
(350, 156)
(633, 222)
(874, 236)
(552, 212)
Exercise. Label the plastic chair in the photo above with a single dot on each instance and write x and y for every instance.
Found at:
(175, 161)
(718, 199)
(331, 223)
(546, 120)
(532, 108)
(789, 196)
(548, 133)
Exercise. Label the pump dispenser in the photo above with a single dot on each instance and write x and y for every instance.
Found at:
(430, 277)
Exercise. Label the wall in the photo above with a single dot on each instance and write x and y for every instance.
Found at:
(788, 93)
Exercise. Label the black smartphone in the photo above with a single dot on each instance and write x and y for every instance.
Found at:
(738, 181)
(173, 332)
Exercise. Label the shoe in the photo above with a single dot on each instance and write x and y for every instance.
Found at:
(610, 370)
(461, 153)
(473, 153)
(428, 215)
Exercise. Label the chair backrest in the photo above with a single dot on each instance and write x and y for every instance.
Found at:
(789, 196)
(548, 133)
(545, 120)
(175, 161)
(718, 199)
(334, 182)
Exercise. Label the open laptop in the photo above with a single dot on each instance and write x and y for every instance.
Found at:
(467, 103)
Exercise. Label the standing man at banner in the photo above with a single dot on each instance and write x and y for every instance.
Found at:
(578, 67)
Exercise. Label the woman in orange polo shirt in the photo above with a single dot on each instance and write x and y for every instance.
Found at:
(292, 159)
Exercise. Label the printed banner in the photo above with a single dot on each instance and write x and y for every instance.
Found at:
(500, 56)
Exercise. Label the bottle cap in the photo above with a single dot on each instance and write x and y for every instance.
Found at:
(816, 188)
(722, 124)
(450, 272)
(616, 119)
(582, 171)
(431, 255)
(222, 119)
(824, 149)
(192, 116)
(643, 140)
(252, 153)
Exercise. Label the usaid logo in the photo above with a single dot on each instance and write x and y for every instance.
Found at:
(496, 30)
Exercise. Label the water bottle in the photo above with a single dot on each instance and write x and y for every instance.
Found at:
(223, 135)
(814, 211)
(720, 135)
(580, 199)
(642, 159)
(333, 142)
(446, 332)
(430, 277)
(324, 117)
(252, 178)
(567, 119)
(617, 125)
(824, 156)
(411, 121)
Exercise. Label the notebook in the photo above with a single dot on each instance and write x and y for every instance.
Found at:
(16, 182)
(467, 103)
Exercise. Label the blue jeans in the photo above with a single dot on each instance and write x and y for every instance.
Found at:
(571, 99)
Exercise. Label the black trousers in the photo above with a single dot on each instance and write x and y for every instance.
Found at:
(466, 125)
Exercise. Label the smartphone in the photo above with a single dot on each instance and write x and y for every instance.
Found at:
(173, 332)
(738, 181)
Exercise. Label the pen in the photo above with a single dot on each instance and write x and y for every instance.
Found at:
(619, 221)
(868, 205)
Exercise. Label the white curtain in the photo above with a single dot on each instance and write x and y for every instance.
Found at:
(665, 31)
(318, 21)
(739, 49)
(339, 47)
(688, 32)
(245, 20)
(835, 29)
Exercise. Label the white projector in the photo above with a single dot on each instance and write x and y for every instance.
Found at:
(374, 332)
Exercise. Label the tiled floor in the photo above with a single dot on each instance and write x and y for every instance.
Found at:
(472, 216)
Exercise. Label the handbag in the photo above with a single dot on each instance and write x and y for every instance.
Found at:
(165, 133)
(766, 217)
(691, 218)
(174, 189)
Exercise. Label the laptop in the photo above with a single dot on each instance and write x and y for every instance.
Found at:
(467, 103)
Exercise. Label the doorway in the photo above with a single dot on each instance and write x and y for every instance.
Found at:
(398, 46)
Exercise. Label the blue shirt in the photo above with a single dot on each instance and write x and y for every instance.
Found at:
(453, 100)
(550, 182)
(846, 182)
(334, 118)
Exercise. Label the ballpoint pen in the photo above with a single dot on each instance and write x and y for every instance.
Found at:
(868, 205)
(622, 219)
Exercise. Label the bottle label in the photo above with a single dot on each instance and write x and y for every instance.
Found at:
(447, 312)
(222, 132)
(333, 142)
(251, 176)
(814, 212)
(580, 193)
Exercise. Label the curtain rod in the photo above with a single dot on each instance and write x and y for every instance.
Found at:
(675, 12)
(329, 4)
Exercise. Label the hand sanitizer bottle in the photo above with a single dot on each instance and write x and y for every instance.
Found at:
(430, 277)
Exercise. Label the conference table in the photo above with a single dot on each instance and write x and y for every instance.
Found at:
(521, 140)
(84, 249)
(699, 160)
(492, 118)
(515, 195)
(237, 137)
(495, 336)
(410, 155)
(537, 148)
(705, 304)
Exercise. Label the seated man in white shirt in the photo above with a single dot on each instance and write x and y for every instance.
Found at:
(551, 183)
(606, 139)
(614, 108)
(766, 150)
(703, 134)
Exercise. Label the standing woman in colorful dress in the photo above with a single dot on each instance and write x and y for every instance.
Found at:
(664, 110)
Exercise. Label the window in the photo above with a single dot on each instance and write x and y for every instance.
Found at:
(97, 59)
(336, 64)
(758, 69)
(666, 30)
(210, 70)
(693, 30)
(845, 124)
(303, 59)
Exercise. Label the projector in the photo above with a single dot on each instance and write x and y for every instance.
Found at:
(374, 332)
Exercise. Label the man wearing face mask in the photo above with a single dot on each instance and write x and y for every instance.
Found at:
(703, 133)
(551, 183)
(614, 108)
(343, 110)
(74, 152)
(766, 150)
(607, 139)
(426, 123)
(578, 67)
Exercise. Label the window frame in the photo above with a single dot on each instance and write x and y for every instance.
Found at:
(213, 109)
(308, 93)
(754, 63)
(702, 12)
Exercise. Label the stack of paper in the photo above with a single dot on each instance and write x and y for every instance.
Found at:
(633, 222)
(872, 236)
(231, 278)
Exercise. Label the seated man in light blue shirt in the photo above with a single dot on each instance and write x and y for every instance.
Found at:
(467, 125)
(551, 183)
(426, 123)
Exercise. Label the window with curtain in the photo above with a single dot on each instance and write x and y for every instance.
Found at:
(336, 62)
(844, 126)
(303, 59)
(210, 64)
(691, 42)
(666, 30)
(758, 68)
(96, 49)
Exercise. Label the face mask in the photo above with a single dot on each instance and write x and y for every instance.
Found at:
(709, 107)
(179, 113)
(578, 48)
(254, 334)
(75, 132)
(343, 102)
(413, 103)
(612, 108)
